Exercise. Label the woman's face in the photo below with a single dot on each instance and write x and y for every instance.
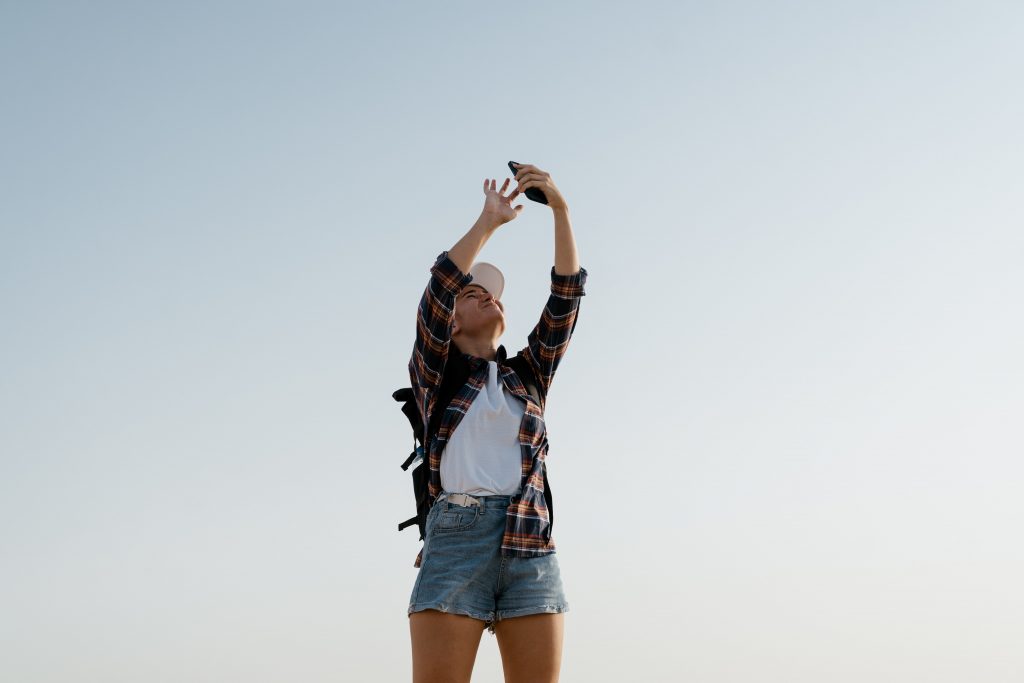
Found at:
(478, 313)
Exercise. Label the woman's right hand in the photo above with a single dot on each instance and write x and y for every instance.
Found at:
(498, 207)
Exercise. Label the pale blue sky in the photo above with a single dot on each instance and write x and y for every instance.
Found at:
(786, 439)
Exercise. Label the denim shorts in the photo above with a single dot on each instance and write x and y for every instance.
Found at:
(462, 570)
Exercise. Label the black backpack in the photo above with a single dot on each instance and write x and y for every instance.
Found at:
(456, 373)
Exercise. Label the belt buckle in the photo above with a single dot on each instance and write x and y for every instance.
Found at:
(462, 499)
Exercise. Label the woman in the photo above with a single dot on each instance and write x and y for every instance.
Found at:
(488, 557)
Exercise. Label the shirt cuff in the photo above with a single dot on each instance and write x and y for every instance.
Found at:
(448, 274)
(568, 286)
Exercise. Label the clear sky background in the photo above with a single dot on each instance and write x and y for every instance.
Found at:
(786, 438)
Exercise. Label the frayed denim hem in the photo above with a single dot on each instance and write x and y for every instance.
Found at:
(526, 611)
(486, 617)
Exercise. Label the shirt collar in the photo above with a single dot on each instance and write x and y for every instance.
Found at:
(475, 361)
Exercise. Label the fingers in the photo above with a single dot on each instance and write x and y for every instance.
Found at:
(489, 185)
(529, 168)
(527, 176)
(531, 176)
(504, 186)
(532, 182)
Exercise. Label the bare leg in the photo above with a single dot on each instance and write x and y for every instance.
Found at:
(531, 647)
(444, 646)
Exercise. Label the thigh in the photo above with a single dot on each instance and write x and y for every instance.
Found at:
(531, 647)
(444, 646)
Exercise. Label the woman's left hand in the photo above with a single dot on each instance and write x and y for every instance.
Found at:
(529, 175)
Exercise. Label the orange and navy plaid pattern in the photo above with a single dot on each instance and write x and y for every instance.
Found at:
(527, 531)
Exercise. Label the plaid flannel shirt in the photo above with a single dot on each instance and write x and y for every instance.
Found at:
(527, 529)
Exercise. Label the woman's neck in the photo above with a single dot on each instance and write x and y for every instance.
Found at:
(486, 349)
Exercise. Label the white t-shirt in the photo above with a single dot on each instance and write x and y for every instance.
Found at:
(483, 456)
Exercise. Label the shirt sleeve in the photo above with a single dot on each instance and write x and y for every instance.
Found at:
(434, 328)
(548, 341)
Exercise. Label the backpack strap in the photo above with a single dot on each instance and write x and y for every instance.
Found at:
(408, 397)
(526, 376)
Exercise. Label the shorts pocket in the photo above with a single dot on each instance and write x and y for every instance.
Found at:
(455, 518)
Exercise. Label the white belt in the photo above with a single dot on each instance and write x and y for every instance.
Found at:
(462, 499)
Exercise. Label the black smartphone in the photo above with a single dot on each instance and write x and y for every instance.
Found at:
(531, 192)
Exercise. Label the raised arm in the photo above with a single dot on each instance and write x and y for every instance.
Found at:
(448, 276)
(548, 341)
